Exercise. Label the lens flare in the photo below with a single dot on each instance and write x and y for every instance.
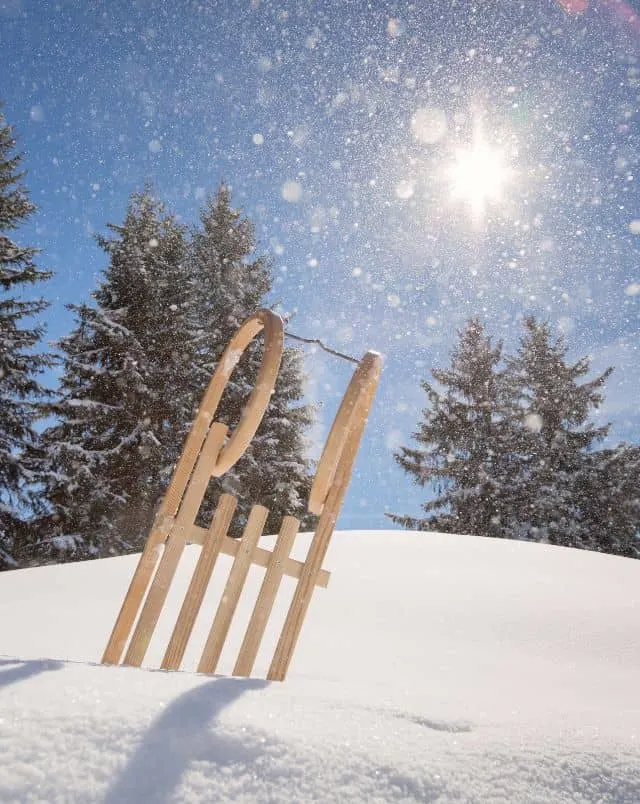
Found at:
(478, 176)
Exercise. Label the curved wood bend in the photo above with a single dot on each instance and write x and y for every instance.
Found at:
(252, 414)
(350, 416)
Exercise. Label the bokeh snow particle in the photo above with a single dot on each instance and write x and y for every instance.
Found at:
(291, 191)
(429, 125)
(533, 422)
(395, 28)
(634, 226)
(633, 289)
(404, 189)
(155, 146)
(394, 439)
(258, 139)
(37, 114)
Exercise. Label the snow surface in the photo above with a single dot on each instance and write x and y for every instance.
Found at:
(433, 668)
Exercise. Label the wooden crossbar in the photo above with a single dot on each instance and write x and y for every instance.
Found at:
(210, 451)
(246, 553)
(261, 557)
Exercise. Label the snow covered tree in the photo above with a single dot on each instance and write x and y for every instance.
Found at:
(555, 434)
(20, 366)
(123, 397)
(230, 283)
(135, 368)
(509, 451)
(607, 495)
(463, 441)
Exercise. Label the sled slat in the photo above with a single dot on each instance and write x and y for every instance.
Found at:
(133, 599)
(261, 557)
(199, 581)
(233, 589)
(186, 464)
(266, 597)
(174, 547)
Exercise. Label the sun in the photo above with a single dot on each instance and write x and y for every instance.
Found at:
(478, 176)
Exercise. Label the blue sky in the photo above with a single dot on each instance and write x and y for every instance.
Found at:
(339, 127)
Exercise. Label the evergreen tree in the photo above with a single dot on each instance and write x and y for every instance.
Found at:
(230, 284)
(555, 435)
(607, 493)
(510, 451)
(463, 449)
(20, 366)
(123, 401)
(135, 369)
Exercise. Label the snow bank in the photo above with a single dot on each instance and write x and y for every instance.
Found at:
(433, 668)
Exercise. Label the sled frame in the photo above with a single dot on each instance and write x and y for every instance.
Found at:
(210, 451)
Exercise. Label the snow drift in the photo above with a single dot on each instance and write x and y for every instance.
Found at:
(434, 668)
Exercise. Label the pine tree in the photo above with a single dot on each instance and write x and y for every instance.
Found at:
(463, 451)
(20, 366)
(230, 284)
(123, 401)
(607, 495)
(555, 435)
(510, 451)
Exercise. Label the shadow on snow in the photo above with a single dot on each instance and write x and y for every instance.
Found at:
(182, 734)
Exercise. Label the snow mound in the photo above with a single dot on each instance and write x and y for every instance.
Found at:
(433, 668)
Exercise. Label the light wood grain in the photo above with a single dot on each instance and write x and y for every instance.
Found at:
(174, 547)
(266, 598)
(233, 589)
(292, 567)
(199, 582)
(162, 525)
(131, 604)
(265, 382)
(368, 381)
(367, 372)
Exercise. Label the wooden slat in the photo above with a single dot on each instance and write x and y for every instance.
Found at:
(320, 542)
(291, 567)
(187, 461)
(199, 582)
(163, 522)
(174, 547)
(133, 598)
(233, 589)
(266, 597)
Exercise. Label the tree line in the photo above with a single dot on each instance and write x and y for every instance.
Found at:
(83, 467)
(506, 446)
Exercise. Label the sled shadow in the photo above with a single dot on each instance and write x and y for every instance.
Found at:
(184, 732)
(21, 669)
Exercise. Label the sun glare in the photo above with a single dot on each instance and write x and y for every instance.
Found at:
(478, 176)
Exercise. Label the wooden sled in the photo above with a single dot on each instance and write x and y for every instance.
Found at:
(208, 453)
